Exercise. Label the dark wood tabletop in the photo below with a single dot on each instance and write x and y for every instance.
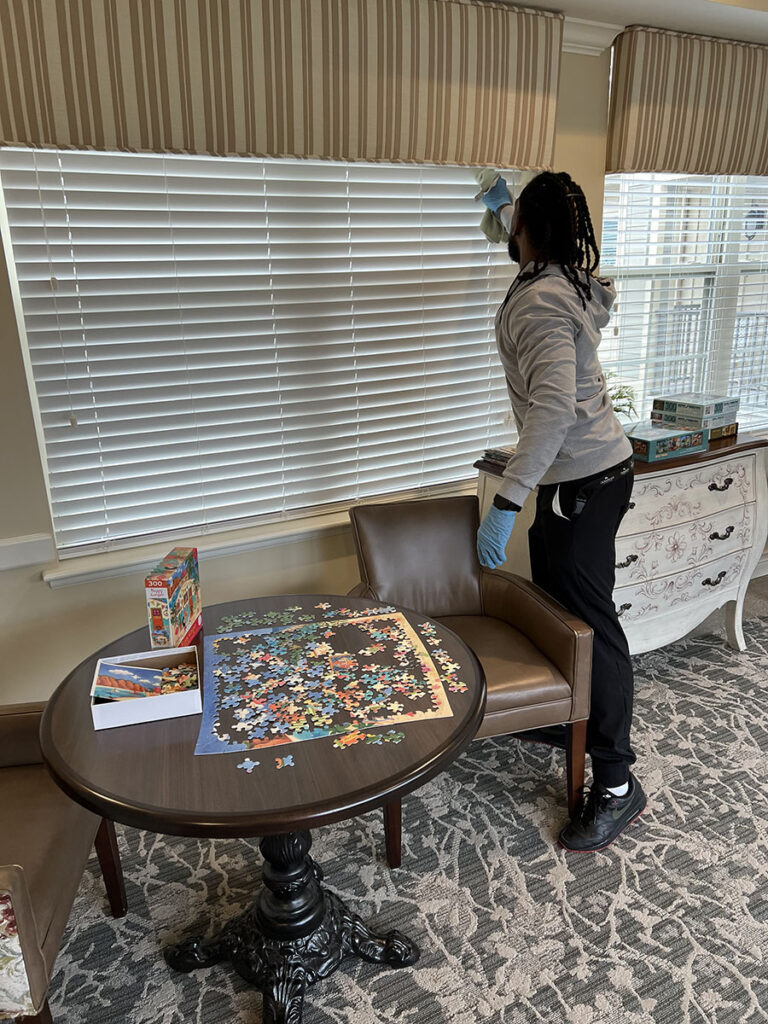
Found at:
(148, 775)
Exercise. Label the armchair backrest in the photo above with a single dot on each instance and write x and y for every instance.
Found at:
(19, 728)
(421, 554)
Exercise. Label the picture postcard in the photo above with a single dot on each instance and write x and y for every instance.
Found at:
(145, 687)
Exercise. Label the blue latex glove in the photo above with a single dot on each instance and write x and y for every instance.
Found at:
(493, 535)
(497, 197)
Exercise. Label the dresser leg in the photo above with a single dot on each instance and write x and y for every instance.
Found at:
(733, 629)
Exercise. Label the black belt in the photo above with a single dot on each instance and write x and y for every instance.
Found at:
(589, 484)
(609, 475)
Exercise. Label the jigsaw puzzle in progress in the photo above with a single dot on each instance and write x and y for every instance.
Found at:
(289, 681)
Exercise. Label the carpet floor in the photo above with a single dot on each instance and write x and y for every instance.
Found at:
(668, 926)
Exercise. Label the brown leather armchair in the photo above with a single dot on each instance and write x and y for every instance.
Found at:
(536, 656)
(45, 841)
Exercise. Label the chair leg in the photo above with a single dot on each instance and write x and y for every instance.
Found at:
(111, 868)
(43, 1017)
(575, 750)
(393, 832)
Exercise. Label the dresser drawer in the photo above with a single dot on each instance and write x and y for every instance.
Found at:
(677, 591)
(680, 496)
(644, 556)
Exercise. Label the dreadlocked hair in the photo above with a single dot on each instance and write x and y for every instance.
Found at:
(554, 212)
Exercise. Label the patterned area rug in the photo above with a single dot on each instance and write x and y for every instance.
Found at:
(668, 925)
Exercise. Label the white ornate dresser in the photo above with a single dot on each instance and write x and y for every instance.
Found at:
(689, 544)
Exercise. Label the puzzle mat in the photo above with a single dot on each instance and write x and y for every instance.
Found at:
(333, 672)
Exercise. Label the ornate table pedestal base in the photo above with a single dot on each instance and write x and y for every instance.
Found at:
(295, 933)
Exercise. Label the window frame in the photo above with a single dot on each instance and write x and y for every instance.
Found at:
(270, 524)
(721, 280)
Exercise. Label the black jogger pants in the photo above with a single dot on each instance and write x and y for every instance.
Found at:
(573, 557)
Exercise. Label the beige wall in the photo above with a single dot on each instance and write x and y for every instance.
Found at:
(582, 119)
(44, 632)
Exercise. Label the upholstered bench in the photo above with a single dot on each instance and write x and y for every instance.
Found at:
(45, 841)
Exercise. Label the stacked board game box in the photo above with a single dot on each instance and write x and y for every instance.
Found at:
(655, 442)
(696, 411)
(133, 688)
(494, 460)
(173, 599)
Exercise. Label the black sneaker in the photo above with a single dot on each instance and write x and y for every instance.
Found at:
(551, 735)
(602, 818)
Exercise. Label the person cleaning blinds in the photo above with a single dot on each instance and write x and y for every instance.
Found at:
(572, 447)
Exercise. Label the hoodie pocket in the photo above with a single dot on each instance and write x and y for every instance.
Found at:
(589, 387)
(591, 398)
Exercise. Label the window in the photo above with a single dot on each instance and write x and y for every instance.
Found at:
(213, 340)
(689, 254)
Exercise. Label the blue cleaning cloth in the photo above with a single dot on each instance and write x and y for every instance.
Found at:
(493, 535)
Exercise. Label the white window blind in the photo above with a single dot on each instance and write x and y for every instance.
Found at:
(217, 340)
(689, 254)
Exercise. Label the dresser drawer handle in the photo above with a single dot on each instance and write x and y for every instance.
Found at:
(721, 536)
(713, 583)
(631, 504)
(624, 608)
(726, 484)
(628, 561)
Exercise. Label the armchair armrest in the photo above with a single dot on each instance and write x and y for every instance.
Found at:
(23, 973)
(562, 637)
(19, 734)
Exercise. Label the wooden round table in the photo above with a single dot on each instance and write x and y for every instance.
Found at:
(148, 776)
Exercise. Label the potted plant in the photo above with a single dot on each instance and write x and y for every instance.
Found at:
(622, 397)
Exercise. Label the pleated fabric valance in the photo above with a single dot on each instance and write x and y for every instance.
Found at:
(445, 81)
(688, 103)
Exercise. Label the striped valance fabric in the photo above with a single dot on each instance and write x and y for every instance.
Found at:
(688, 103)
(444, 81)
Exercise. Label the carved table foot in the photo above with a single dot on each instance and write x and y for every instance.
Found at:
(295, 933)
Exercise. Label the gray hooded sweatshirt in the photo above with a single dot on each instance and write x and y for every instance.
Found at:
(547, 341)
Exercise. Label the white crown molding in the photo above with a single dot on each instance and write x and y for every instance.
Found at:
(34, 549)
(588, 37)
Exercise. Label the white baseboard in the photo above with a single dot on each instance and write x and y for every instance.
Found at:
(34, 549)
